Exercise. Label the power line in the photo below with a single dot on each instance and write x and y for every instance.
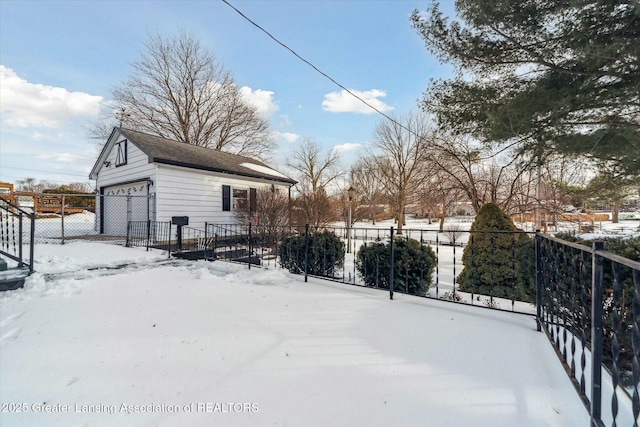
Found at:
(412, 132)
(40, 179)
(318, 70)
(41, 171)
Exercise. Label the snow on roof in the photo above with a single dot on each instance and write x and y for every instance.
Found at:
(262, 169)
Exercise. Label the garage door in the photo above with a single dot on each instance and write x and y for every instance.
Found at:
(124, 203)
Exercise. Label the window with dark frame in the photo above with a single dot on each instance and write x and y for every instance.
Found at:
(121, 154)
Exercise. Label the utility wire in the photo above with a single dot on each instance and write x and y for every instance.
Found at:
(318, 70)
(412, 132)
(41, 171)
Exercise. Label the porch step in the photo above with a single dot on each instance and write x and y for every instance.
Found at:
(13, 278)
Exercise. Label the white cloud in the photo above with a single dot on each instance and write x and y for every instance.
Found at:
(61, 157)
(25, 104)
(261, 99)
(285, 120)
(343, 148)
(344, 102)
(287, 136)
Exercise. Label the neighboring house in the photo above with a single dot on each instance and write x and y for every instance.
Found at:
(141, 176)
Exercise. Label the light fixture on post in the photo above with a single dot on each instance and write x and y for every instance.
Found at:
(351, 193)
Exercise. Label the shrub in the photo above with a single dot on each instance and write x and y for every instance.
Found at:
(414, 265)
(325, 253)
(498, 260)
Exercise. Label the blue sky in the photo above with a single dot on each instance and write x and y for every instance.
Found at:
(60, 59)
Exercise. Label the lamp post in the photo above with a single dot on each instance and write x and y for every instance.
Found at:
(351, 192)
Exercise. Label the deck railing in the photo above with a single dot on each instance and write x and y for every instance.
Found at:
(16, 230)
(589, 308)
(586, 300)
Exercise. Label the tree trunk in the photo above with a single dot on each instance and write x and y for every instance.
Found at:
(615, 212)
(400, 216)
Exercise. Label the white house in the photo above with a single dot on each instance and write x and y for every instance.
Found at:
(141, 176)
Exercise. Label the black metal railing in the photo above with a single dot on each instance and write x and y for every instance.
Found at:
(149, 234)
(16, 229)
(586, 300)
(497, 270)
(589, 308)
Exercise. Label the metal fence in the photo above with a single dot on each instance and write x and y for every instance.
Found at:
(501, 277)
(60, 218)
(150, 234)
(589, 307)
(16, 230)
(587, 301)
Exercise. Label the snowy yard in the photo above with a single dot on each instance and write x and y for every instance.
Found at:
(167, 342)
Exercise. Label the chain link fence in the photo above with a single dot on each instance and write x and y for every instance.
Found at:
(60, 218)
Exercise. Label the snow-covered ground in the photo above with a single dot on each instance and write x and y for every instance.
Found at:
(104, 335)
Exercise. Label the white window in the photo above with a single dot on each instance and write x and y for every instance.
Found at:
(240, 200)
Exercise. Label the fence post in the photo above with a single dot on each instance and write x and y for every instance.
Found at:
(127, 243)
(20, 245)
(32, 217)
(392, 266)
(62, 217)
(206, 240)
(306, 251)
(250, 247)
(170, 237)
(538, 242)
(148, 233)
(596, 335)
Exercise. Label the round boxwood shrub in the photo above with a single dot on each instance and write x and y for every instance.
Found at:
(325, 254)
(413, 265)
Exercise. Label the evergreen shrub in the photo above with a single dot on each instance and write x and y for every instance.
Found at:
(414, 264)
(498, 261)
(325, 257)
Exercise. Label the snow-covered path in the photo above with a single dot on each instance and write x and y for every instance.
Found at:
(216, 344)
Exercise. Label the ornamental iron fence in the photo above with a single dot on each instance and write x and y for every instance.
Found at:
(589, 308)
(490, 269)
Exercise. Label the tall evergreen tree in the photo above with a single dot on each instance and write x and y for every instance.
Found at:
(549, 75)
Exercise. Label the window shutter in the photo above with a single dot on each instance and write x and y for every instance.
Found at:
(253, 199)
(226, 198)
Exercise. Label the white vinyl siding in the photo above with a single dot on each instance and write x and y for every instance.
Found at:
(198, 194)
(136, 169)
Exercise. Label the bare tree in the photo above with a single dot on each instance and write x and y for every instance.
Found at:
(179, 91)
(439, 195)
(315, 171)
(483, 175)
(33, 185)
(369, 190)
(402, 145)
(269, 211)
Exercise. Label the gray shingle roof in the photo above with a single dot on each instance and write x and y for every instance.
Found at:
(167, 151)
